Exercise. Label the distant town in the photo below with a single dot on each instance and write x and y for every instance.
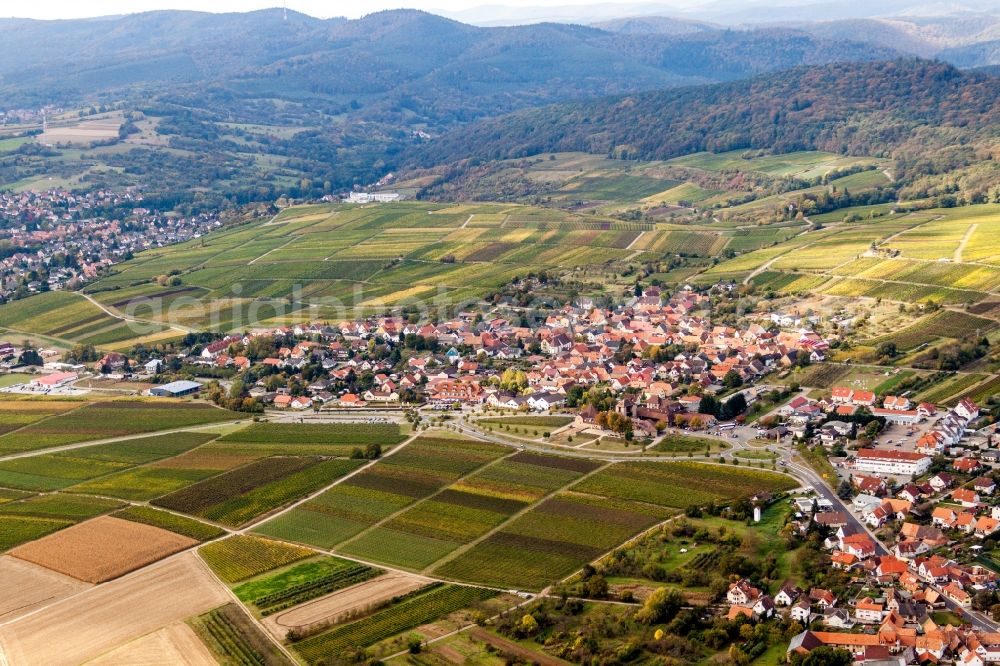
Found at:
(60, 240)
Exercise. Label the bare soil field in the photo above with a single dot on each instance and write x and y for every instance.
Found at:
(27, 586)
(104, 618)
(354, 598)
(83, 132)
(101, 549)
(176, 644)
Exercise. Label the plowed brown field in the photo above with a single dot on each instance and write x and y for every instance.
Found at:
(101, 549)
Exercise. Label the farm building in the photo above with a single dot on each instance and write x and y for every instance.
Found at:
(55, 380)
(175, 389)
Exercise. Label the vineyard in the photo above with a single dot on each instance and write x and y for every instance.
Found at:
(422, 468)
(314, 438)
(236, 497)
(304, 582)
(240, 557)
(413, 610)
(100, 420)
(15, 530)
(170, 521)
(235, 640)
(681, 484)
(822, 375)
(942, 324)
(560, 534)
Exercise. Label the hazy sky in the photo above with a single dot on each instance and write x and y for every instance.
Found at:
(52, 9)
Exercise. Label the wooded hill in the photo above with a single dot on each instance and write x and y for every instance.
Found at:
(930, 117)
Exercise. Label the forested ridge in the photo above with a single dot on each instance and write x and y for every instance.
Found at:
(927, 115)
(875, 108)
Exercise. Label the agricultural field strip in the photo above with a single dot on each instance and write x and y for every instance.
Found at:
(271, 516)
(135, 320)
(829, 274)
(109, 440)
(767, 264)
(533, 505)
(236, 600)
(38, 422)
(930, 262)
(413, 505)
(132, 574)
(274, 249)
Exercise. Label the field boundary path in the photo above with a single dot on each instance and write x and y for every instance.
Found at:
(965, 241)
(110, 440)
(635, 240)
(134, 320)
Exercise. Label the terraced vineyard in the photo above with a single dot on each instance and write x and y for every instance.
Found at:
(358, 257)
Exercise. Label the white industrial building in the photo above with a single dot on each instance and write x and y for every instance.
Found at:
(883, 461)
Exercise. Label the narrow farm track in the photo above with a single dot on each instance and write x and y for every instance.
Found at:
(112, 440)
(135, 320)
(770, 262)
(635, 240)
(965, 241)
(54, 341)
(907, 230)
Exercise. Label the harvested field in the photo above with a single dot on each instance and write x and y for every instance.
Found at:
(105, 617)
(102, 549)
(344, 601)
(176, 644)
(26, 586)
